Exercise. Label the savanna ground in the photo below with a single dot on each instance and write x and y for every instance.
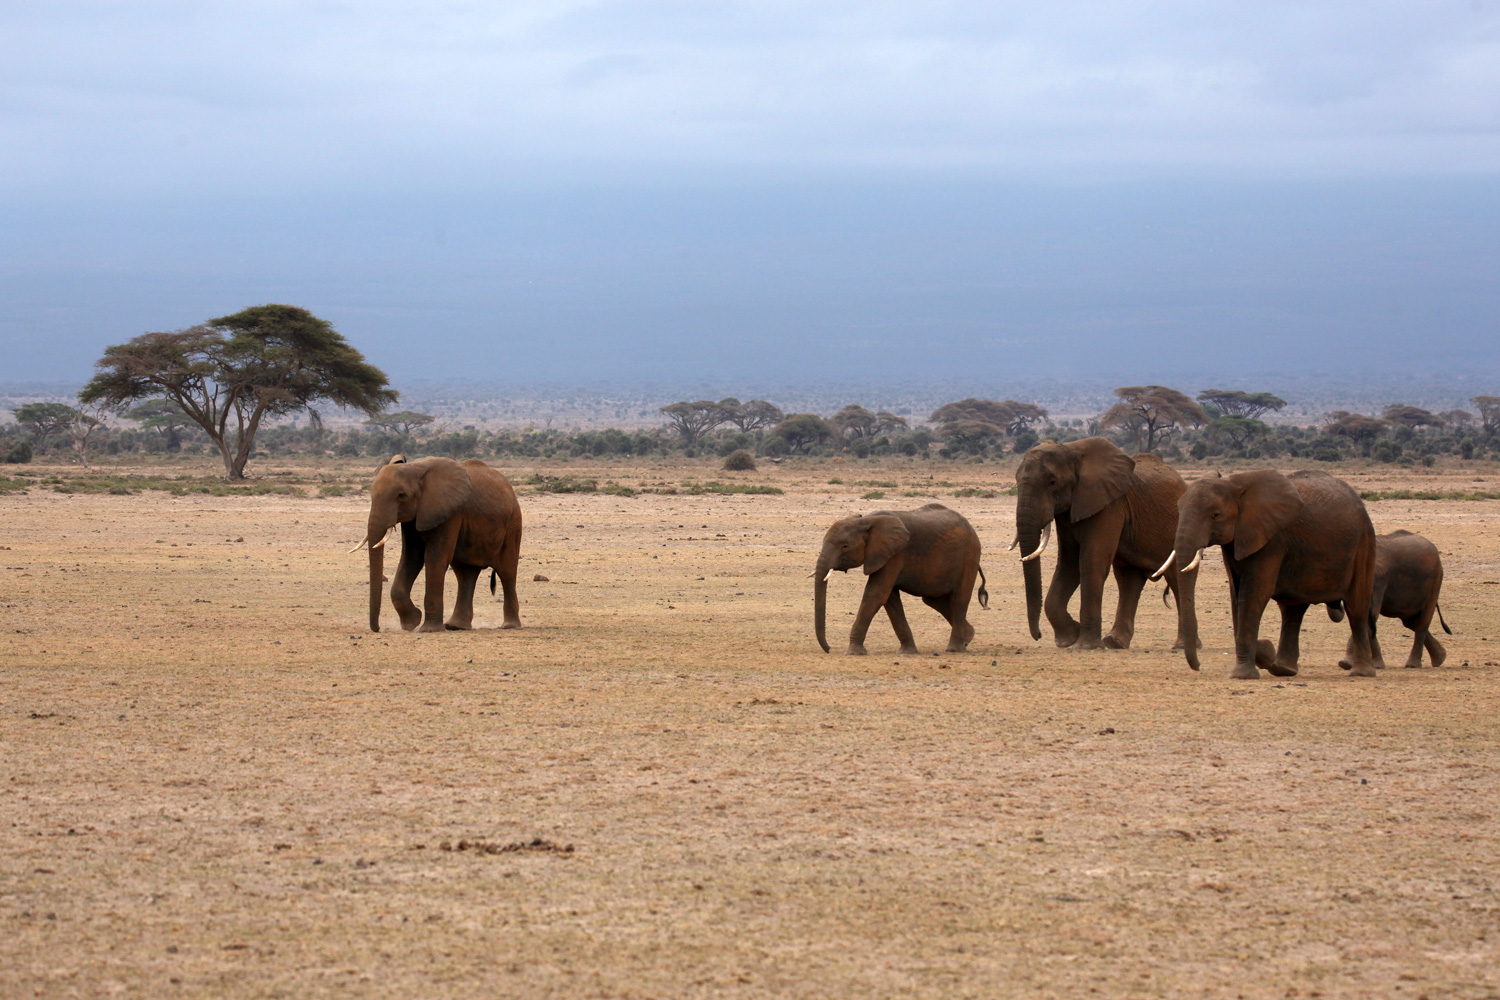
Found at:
(218, 782)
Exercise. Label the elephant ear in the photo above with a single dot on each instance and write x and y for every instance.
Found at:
(888, 536)
(1104, 474)
(1268, 502)
(445, 489)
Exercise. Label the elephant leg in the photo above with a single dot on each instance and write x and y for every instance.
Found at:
(412, 558)
(1435, 649)
(1130, 581)
(878, 590)
(438, 557)
(1252, 592)
(505, 568)
(1065, 630)
(1093, 570)
(1290, 649)
(462, 618)
(897, 614)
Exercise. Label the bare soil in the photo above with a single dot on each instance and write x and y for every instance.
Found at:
(217, 782)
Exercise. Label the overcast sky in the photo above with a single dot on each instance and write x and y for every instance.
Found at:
(781, 189)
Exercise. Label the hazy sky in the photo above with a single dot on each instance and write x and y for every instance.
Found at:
(780, 189)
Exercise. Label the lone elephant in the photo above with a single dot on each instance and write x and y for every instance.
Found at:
(931, 552)
(1298, 540)
(1408, 581)
(1112, 511)
(458, 514)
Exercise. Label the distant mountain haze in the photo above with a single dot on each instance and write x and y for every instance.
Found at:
(868, 280)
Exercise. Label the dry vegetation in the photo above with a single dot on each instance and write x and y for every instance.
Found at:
(218, 783)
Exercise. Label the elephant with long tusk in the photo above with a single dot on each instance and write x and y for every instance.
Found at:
(1113, 512)
(1298, 540)
(931, 552)
(458, 515)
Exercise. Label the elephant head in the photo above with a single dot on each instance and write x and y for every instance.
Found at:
(1244, 510)
(871, 541)
(426, 493)
(1076, 479)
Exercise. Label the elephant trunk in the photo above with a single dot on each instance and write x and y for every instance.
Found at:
(1187, 615)
(1031, 517)
(377, 579)
(375, 533)
(820, 600)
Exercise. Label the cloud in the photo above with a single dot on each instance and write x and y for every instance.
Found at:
(223, 95)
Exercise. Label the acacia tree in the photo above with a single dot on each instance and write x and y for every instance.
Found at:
(1150, 413)
(86, 421)
(230, 373)
(1411, 416)
(164, 416)
(801, 431)
(854, 421)
(1457, 418)
(693, 420)
(889, 423)
(403, 422)
(1234, 403)
(1489, 412)
(1357, 427)
(753, 415)
(44, 420)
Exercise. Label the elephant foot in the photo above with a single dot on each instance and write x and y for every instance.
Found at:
(512, 624)
(1412, 664)
(458, 626)
(432, 627)
(855, 649)
(1265, 653)
(1438, 655)
(1066, 635)
(1245, 672)
(909, 651)
(1362, 670)
(1089, 642)
(1279, 669)
(1113, 641)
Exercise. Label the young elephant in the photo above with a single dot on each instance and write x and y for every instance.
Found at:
(1408, 578)
(931, 553)
(458, 515)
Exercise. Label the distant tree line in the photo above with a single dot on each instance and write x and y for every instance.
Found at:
(1216, 423)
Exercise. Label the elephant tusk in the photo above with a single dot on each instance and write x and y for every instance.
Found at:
(355, 549)
(1192, 565)
(828, 576)
(1165, 566)
(1046, 537)
(378, 545)
(1013, 543)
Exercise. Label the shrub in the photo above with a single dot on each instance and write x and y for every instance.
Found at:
(15, 450)
(739, 460)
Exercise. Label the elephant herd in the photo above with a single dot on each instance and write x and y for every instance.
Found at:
(1298, 539)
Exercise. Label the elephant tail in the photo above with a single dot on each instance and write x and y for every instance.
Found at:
(492, 581)
(1164, 592)
(1439, 610)
(984, 595)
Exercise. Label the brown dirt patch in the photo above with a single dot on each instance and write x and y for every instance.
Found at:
(217, 782)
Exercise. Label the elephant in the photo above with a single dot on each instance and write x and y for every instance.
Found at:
(931, 552)
(1300, 539)
(458, 514)
(1408, 579)
(1111, 511)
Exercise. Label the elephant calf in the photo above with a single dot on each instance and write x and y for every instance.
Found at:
(931, 552)
(1408, 579)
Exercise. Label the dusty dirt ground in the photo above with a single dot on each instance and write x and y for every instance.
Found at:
(217, 782)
